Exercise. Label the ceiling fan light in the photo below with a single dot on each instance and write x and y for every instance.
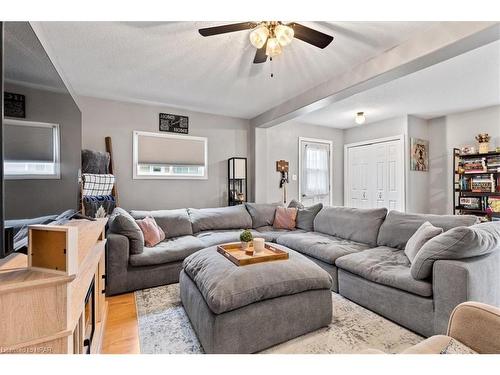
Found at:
(284, 34)
(360, 118)
(273, 47)
(258, 36)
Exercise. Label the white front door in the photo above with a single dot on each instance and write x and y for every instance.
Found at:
(375, 175)
(315, 171)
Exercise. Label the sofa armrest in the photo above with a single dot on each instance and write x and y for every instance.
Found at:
(457, 281)
(117, 258)
(476, 325)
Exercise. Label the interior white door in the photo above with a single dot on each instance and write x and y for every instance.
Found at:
(375, 175)
(358, 177)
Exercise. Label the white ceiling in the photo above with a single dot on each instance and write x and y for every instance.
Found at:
(468, 81)
(170, 63)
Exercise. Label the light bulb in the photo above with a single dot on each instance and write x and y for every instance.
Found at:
(259, 36)
(284, 34)
(273, 47)
(360, 118)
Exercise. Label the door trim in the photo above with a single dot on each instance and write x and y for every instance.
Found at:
(402, 139)
(330, 146)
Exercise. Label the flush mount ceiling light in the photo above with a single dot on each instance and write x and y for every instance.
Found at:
(269, 37)
(360, 118)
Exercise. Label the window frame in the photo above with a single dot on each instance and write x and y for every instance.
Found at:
(135, 155)
(56, 134)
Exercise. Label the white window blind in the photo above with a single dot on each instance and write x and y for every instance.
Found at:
(315, 169)
(159, 155)
(31, 149)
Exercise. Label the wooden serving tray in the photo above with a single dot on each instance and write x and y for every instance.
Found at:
(238, 256)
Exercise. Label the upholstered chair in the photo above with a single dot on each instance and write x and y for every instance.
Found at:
(473, 328)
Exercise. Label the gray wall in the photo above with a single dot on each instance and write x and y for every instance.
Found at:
(451, 131)
(282, 142)
(227, 137)
(32, 198)
(417, 182)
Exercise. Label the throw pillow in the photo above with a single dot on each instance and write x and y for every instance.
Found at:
(306, 215)
(262, 213)
(120, 222)
(457, 243)
(423, 234)
(285, 218)
(153, 234)
(295, 204)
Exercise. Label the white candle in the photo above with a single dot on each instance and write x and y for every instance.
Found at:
(258, 245)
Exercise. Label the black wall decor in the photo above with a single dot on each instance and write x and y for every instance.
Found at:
(14, 105)
(174, 123)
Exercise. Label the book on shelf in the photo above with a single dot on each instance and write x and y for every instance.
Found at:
(494, 204)
(483, 184)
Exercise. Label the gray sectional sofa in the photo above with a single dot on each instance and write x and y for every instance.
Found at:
(362, 249)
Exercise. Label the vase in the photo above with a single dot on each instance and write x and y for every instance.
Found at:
(484, 147)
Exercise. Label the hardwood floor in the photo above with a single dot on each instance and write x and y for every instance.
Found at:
(122, 333)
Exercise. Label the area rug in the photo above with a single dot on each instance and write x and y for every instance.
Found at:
(165, 328)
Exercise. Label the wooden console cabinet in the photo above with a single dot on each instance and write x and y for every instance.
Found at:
(43, 295)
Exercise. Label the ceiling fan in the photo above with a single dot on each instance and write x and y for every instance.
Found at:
(270, 36)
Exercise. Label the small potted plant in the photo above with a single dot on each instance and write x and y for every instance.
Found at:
(245, 238)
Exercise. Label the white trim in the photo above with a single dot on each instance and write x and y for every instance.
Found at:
(57, 144)
(402, 139)
(137, 133)
(330, 167)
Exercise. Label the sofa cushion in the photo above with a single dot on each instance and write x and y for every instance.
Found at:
(457, 243)
(419, 238)
(398, 227)
(285, 218)
(233, 217)
(306, 215)
(320, 246)
(218, 237)
(387, 266)
(174, 223)
(270, 234)
(225, 286)
(356, 224)
(262, 214)
(121, 222)
(171, 250)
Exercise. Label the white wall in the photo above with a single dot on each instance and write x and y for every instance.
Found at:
(417, 183)
(227, 137)
(282, 142)
(380, 129)
(451, 131)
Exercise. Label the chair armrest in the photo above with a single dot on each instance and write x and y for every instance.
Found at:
(476, 325)
(457, 281)
(117, 259)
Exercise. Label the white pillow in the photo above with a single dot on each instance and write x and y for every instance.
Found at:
(423, 234)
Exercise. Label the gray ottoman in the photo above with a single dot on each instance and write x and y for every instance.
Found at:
(250, 308)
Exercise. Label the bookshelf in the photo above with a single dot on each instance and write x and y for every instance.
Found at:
(476, 185)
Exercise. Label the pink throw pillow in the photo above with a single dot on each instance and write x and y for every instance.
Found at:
(153, 234)
(285, 218)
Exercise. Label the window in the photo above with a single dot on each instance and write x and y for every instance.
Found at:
(31, 150)
(315, 171)
(169, 156)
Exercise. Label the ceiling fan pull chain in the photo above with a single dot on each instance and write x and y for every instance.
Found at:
(271, 60)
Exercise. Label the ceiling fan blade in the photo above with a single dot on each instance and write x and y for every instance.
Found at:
(311, 36)
(260, 55)
(216, 30)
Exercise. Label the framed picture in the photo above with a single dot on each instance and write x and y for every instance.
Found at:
(14, 105)
(174, 123)
(419, 155)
